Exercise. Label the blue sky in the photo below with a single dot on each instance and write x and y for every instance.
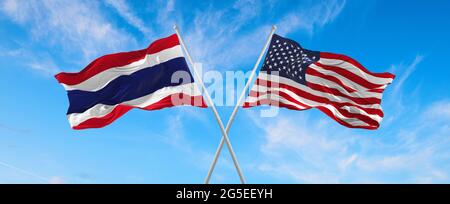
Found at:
(41, 38)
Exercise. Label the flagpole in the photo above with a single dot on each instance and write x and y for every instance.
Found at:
(238, 104)
(213, 107)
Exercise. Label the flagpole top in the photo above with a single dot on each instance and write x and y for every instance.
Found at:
(274, 27)
(175, 27)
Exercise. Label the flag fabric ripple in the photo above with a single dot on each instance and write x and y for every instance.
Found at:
(113, 84)
(339, 86)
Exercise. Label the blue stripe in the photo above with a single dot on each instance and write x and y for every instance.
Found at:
(129, 87)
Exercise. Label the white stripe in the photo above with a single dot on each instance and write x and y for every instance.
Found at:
(102, 79)
(101, 110)
(352, 68)
(331, 84)
(335, 112)
(331, 97)
(344, 79)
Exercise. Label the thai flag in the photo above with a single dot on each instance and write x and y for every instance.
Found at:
(153, 78)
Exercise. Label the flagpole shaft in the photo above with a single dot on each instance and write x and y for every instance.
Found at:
(213, 107)
(238, 104)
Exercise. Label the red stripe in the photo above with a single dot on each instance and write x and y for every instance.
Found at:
(316, 73)
(355, 63)
(116, 60)
(372, 123)
(350, 75)
(318, 99)
(122, 109)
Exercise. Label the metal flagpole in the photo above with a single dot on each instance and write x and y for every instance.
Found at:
(213, 107)
(238, 104)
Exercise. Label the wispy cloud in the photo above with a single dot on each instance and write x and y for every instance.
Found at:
(306, 152)
(57, 180)
(394, 100)
(13, 129)
(74, 25)
(41, 62)
(126, 13)
(405, 72)
(439, 110)
(46, 67)
(215, 31)
(312, 18)
(40, 178)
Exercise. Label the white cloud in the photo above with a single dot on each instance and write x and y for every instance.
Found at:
(75, 25)
(312, 18)
(406, 72)
(56, 180)
(170, 5)
(47, 68)
(394, 100)
(303, 149)
(39, 62)
(223, 38)
(126, 13)
(439, 110)
(39, 178)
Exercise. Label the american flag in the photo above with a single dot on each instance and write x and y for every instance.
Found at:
(300, 79)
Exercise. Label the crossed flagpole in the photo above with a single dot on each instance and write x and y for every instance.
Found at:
(233, 114)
